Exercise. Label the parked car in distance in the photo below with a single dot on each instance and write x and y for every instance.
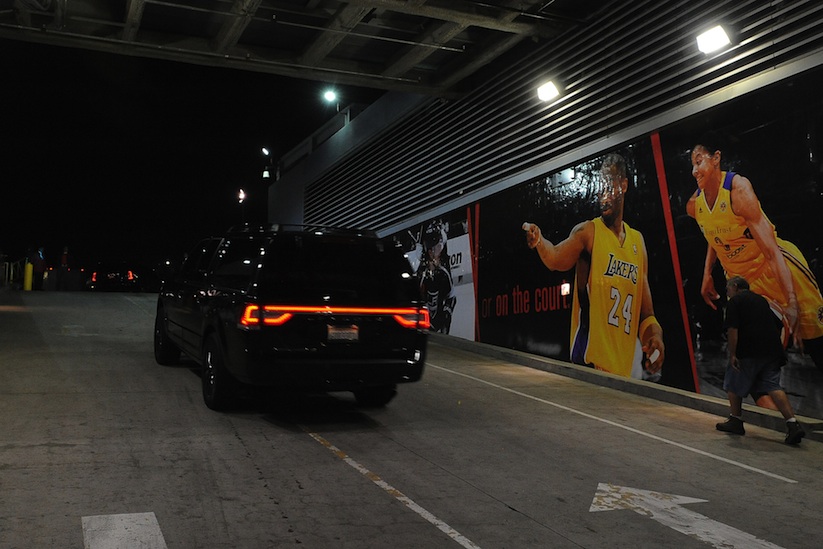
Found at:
(114, 277)
(295, 308)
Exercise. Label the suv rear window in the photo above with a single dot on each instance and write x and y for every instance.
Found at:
(334, 269)
(235, 262)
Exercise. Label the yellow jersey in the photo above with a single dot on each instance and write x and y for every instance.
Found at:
(606, 313)
(740, 255)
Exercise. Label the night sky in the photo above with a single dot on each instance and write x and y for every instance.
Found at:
(127, 158)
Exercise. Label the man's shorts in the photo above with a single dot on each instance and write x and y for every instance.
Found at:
(756, 375)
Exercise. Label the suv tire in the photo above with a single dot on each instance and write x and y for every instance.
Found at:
(166, 352)
(217, 382)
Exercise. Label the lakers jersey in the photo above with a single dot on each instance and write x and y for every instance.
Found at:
(729, 235)
(605, 319)
(740, 255)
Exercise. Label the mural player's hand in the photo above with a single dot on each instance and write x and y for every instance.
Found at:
(708, 292)
(533, 234)
(655, 354)
(792, 312)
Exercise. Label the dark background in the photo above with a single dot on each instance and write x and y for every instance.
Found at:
(128, 158)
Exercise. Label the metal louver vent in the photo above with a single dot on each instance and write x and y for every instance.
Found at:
(636, 62)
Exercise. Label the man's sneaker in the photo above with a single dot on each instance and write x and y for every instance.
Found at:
(733, 425)
(795, 432)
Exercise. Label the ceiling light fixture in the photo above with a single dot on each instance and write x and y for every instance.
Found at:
(713, 40)
(547, 91)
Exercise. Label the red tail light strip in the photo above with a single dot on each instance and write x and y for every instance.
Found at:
(277, 315)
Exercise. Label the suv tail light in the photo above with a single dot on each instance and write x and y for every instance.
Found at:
(270, 316)
(277, 315)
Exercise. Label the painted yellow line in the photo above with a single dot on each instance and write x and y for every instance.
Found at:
(395, 493)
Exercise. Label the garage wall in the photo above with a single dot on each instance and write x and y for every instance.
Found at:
(634, 70)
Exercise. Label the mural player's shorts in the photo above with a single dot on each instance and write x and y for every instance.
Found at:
(809, 299)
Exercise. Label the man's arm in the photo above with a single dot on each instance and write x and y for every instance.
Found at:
(562, 256)
(731, 334)
(746, 205)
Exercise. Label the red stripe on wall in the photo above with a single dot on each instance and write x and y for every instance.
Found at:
(667, 214)
(474, 246)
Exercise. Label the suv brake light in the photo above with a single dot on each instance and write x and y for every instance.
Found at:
(277, 315)
(414, 318)
(271, 316)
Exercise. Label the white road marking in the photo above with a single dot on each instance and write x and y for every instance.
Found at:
(666, 509)
(128, 531)
(618, 425)
(397, 494)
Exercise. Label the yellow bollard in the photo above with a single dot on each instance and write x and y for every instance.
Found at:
(28, 276)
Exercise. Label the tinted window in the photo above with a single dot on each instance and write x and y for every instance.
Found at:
(349, 271)
(235, 262)
(197, 260)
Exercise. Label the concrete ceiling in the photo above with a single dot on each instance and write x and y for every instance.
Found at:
(421, 46)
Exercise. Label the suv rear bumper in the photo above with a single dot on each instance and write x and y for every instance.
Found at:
(324, 370)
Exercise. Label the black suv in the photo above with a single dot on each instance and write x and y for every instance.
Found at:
(296, 308)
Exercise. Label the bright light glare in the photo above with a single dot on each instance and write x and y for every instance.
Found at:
(265, 151)
(712, 40)
(241, 196)
(547, 91)
(330, 96)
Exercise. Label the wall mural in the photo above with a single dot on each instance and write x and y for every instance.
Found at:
(620, 261)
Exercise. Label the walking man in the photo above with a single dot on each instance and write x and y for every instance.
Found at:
(755, 357)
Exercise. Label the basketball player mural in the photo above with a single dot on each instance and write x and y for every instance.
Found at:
(612, 303)
(436, 285)
(745, 242)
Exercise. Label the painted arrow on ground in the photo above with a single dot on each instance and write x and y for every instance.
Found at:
(666, 509)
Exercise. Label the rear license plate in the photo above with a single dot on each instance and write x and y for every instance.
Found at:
(343, 333)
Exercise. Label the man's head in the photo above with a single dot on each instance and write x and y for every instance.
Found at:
(613, 185)
(735, 285)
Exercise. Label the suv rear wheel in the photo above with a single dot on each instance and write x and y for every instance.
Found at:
(218, 384)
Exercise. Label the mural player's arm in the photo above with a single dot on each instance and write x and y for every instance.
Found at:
(746, 205)
(707, 289)
(562, 256)
(650, 332)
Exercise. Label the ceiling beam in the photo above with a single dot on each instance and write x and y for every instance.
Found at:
(346, 18)
(462, 17)
(441, 33)
(134, 14)
(233, 27)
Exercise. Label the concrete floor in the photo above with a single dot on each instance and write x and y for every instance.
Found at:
(492, 448)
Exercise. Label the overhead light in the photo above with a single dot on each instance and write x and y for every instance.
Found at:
(713, 40)
(266, 173)
(547, 91)
(330, 96)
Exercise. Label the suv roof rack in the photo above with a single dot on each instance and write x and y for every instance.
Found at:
(275, 228)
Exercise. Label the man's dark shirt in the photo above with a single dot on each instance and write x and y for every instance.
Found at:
(757, 325)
